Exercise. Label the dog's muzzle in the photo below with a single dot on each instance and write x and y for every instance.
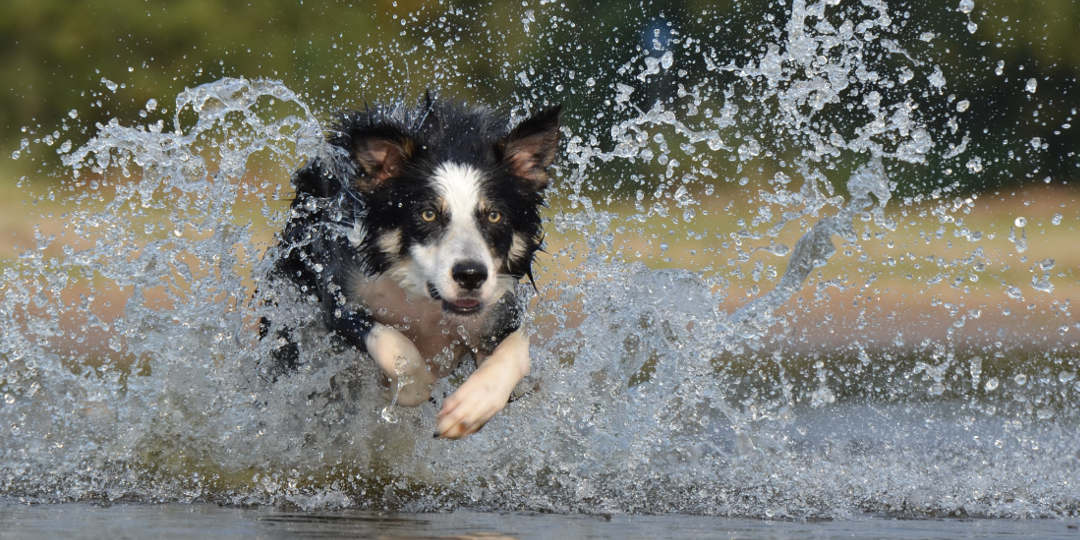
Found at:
(461, 306)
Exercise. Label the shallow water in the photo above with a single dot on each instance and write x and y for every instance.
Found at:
(210, 521)
(820, 348)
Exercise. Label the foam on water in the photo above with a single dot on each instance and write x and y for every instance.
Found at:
(132, 369)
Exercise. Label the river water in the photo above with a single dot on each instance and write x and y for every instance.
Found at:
(806, 343)
(167, 521)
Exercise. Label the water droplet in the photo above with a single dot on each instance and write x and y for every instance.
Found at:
(822, 396)
(387, 414)
(667, 60)
(992, 384)
(966, 6)
(749, 149)
(1020, 379)
(936, 78)
(1056, 220)
(962, 105)
(1020, 222)
(1031, 86)
(1042, 283)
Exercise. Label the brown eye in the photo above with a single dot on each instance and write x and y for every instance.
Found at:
(494, 216)
(428, 215)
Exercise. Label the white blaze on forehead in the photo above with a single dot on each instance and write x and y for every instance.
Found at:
(460, 187)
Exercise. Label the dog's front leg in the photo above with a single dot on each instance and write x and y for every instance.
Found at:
(487, 390)
(400, 360)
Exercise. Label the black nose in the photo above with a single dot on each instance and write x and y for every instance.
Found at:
(469, 274)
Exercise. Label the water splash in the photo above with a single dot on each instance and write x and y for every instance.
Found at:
(132, 372)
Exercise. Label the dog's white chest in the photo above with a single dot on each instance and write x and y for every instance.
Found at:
(435, 332)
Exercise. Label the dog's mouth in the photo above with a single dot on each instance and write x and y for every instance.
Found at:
(461, 306)
(464, 306)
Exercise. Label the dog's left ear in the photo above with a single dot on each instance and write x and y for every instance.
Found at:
(531, 146)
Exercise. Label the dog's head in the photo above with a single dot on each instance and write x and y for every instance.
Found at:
(451, 198)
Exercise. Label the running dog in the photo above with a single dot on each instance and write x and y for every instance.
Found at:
(411, 235)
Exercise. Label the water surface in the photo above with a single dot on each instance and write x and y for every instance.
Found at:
(210, 521)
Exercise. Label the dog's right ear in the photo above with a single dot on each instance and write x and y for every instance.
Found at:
(381, 153)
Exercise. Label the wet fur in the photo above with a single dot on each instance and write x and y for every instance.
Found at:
(358, 242)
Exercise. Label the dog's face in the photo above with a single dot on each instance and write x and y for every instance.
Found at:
(452, 211)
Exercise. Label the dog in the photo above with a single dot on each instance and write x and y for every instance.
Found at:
(411, 235)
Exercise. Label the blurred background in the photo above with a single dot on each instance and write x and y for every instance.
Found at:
(75, 64)
(993, 85)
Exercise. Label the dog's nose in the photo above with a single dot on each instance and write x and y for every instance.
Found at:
(469, 274)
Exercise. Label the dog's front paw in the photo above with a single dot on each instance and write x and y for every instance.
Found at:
(409, 377)
(487, 391)
(478, 399)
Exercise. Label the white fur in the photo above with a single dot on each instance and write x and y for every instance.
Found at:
(399, 359)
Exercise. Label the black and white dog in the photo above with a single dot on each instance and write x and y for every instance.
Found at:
(412, 235)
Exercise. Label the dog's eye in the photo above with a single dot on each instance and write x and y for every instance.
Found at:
(428, 215)
(494, 216)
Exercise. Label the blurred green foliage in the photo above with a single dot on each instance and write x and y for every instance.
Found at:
(58, 59)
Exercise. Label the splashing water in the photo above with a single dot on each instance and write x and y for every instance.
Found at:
(709, 382)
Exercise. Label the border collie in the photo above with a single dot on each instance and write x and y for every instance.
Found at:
(411, 234)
